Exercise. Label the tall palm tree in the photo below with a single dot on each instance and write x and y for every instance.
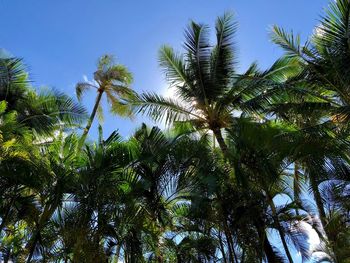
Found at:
(56, 176)
(163, 172)
(325, 57)
(112, 79)
(45, 111)
(208, 87)
(260, 158)
(324, 60)
(28, 121)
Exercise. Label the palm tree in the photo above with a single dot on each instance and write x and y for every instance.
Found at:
(325, 57)
(161, 196)
(56, 175)
(102, 214)
(260, 160)
(28, 122)
(324, 60)
(336, 196)
(169, 175)
(112, 79)
(45, 111)
(209, 89)
(205, 80)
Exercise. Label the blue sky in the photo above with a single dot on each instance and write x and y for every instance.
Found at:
(60, 41)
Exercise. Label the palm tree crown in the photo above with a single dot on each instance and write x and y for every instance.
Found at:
(208, 88)
(325, 57)
(112, 79)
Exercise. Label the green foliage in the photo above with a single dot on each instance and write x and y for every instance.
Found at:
(174, 196)
(114, 80)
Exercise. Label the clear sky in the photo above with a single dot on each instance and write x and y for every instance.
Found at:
(60, 41)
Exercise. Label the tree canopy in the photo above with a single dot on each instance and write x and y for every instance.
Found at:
(251, 167)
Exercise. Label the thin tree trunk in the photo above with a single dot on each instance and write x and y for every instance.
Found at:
(221, 142)
(7, 256)
(91, 119)
(222, 248)
(318, 199)
(269, 252)
(117, 252)
(158, 254)
(126, 257)
(48, 211)
(97, 236)
(8, 209)
(229, 244)
(280, 230)
(32, 243)
(4, 219)
(296, 188)
(214, 141)
(218, 135)
(243, 256)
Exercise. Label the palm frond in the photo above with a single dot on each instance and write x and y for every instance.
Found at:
(120, 74)
(160, 108)
(283, 69)
(12, 72)
(222, 56)
(51, 109)
(100, 115)
(82, 87)
(198, 57)
(173, 66)
(333, 32)
(118, 106)
(288, 41)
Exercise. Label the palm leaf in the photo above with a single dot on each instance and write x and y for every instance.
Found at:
(82, 87)
(289, 42)
(198, 57)
(173, 66)
(222, 56)
(160, 108)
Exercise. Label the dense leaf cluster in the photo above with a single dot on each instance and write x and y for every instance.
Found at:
(253, 166)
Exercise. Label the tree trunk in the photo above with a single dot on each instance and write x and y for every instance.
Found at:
(222, 248)
(280, 230)
(218, 135)
(296, 188)
(8, 209)
(269, 252)
(91, 119)
(117, 253)
(126, 257)
(318, 200)
(32, 245)
(45, 216)
(7, 256)
(229, 243)
(97, 236)
(158, 254)
(221, 142)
